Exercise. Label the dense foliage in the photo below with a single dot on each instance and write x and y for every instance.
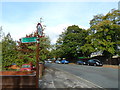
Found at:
(27, 51)
(102, 36)
(70, 41)
(9, 53)
(1, 35)
(19, 53)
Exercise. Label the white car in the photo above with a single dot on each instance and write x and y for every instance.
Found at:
(49, 61)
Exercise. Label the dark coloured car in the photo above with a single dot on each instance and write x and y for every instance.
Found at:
(80, 62)
(94, 62)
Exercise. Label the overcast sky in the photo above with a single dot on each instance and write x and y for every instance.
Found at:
(21, 18)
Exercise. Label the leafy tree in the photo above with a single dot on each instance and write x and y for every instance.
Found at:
(104, 34)
(44, 48)
(58, 50)
(52, 51)
(70, 42)
(9, 53)
(27, 51)
(1, 36)
(20, 53)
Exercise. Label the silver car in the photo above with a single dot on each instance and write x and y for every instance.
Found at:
(58, 62)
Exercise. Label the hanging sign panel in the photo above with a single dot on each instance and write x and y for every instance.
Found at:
(29, 39)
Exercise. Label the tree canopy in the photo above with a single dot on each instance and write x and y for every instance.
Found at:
(21, 53)
(70, 41)
(104, 34)
(9, 53)
(27, 51)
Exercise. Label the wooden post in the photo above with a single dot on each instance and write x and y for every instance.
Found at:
(37, 64)
(41, 67)
(39, 34)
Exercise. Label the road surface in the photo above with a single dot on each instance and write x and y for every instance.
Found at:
(103, 77)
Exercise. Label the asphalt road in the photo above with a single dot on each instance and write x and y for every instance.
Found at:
(103, 77)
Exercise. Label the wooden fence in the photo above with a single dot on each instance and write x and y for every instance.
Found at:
(18, 81)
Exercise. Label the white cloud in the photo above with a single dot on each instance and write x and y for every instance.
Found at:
(18, 31)
(55, 31)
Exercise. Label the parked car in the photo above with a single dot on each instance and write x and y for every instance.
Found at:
(94, 62)
(27, 67)
(49, 61)
(46, 61)
(64, 62)
(58, 62)
(80, 62)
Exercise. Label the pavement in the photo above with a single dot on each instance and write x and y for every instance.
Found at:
(56, 79)
(108, 66)
(112, 66)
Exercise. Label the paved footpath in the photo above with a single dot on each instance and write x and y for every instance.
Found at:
(56, 79)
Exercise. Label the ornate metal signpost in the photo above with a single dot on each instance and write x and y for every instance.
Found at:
(35, 40)
(39, 34)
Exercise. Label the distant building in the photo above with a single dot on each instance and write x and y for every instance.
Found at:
(119, 5)
(99, 53)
